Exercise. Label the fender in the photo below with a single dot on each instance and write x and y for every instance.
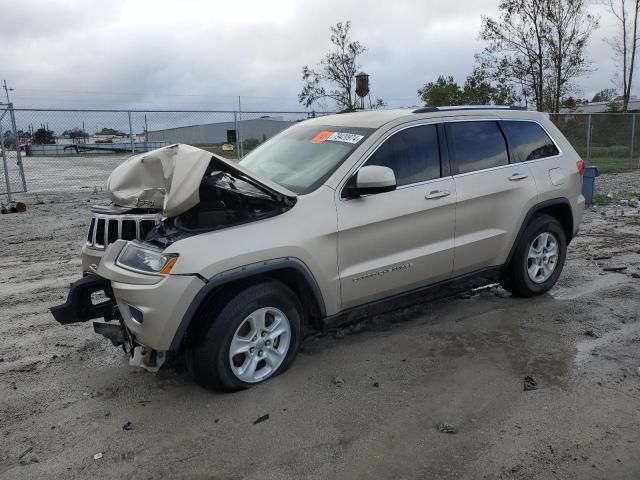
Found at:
(532, 211)
(245, 272)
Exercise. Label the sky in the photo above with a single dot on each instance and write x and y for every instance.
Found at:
(184, 54)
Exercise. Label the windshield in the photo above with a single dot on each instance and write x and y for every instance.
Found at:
(302, 157)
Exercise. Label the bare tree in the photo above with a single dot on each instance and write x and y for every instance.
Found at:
(567, 35)
(334, 77)
(625, 43)
(516, 47)
(538, 46)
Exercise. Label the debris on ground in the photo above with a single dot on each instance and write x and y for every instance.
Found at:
(97, 456)
(614, 269)
(530, 383)
(261, 419)
(603, 257)
(592, 334)
(28, 456)
(338, 381)
(127, 426)
(445, 427)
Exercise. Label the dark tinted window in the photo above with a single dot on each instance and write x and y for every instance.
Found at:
(529, 141)
(476, 145)
(412, 154)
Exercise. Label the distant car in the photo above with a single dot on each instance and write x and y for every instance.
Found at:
(226, 262)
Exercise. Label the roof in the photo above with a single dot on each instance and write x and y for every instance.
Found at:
(377, 118)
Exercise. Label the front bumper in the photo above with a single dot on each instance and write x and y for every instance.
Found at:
(151, 306)
(162, 305)
(79, 306)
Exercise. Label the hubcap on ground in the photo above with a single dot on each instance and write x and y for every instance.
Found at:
(543, 257)
(260, 345)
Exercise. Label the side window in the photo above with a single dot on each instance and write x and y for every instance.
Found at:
(412, 154)
(476, 145)
(529, 141)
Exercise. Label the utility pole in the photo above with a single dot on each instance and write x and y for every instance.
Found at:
(6, 90)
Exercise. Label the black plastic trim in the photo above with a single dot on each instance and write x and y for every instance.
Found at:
(532, 211)
(467, 107)
(431, 292)
(79, 307)
(240, 273)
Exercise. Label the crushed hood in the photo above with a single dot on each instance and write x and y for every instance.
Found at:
(169, 179)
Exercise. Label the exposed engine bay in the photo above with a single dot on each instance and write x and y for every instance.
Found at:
(178, 191)
(225, 200)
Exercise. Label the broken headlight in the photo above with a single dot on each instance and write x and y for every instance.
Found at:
(144, 258)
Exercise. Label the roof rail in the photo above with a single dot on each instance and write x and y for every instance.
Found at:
(467, 107)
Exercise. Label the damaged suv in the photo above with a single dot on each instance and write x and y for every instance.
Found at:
(225, 262)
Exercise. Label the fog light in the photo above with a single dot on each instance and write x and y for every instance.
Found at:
(135, 314)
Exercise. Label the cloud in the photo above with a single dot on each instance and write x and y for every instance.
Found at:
(190, 54)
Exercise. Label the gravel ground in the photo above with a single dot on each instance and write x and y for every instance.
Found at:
(368, 401)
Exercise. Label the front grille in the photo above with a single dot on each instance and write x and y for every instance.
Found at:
(106, 229)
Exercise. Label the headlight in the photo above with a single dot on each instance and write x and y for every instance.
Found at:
(145, 258)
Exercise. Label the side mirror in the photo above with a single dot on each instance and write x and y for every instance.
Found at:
(371, 179)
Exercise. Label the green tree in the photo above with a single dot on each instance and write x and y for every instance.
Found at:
(42, 135)
(444, 91)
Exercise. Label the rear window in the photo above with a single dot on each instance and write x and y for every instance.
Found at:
(529, 141)
(476, 145)
(302, 157)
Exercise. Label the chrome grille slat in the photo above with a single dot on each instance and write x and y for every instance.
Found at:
(95, 242)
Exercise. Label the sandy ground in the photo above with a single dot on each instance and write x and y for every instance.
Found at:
(363, 402)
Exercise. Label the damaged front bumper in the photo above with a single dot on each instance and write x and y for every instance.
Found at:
(80, 307)
(143, 312)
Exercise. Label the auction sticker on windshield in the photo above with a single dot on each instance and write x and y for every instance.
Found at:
(344, 137)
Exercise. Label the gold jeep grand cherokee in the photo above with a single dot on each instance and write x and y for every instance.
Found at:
(225, 262)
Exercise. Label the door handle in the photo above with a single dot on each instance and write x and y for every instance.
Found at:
(437, 194)
(517, 176)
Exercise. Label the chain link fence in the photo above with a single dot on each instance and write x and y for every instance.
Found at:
(610, 141)
(54, 150)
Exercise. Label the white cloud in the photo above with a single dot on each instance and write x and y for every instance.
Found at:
(190, 54)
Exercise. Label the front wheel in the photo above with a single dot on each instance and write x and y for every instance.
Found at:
(538, 259)
(252, 338)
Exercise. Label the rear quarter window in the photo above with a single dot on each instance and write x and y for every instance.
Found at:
(528, 141)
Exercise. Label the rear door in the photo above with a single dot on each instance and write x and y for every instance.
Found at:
(396, 241)
(494, 192)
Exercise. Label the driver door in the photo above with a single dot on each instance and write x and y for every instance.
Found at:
(393, 242)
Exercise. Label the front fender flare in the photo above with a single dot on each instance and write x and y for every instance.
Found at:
(239, 273)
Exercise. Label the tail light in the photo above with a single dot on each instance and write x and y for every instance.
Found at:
(580, 165)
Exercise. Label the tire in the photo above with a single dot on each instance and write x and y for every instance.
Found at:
(239, 322)
(530, 275)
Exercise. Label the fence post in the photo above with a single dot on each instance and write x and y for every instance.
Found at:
(633, 131)
(589, 139)
(239, 132)
(133, 150)
(235, 122)
(17, 142)
(4, 164)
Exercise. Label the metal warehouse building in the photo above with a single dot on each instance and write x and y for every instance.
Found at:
(216, 133)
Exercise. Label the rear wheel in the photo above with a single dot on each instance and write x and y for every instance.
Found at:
(538, 259)
(250, 339)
